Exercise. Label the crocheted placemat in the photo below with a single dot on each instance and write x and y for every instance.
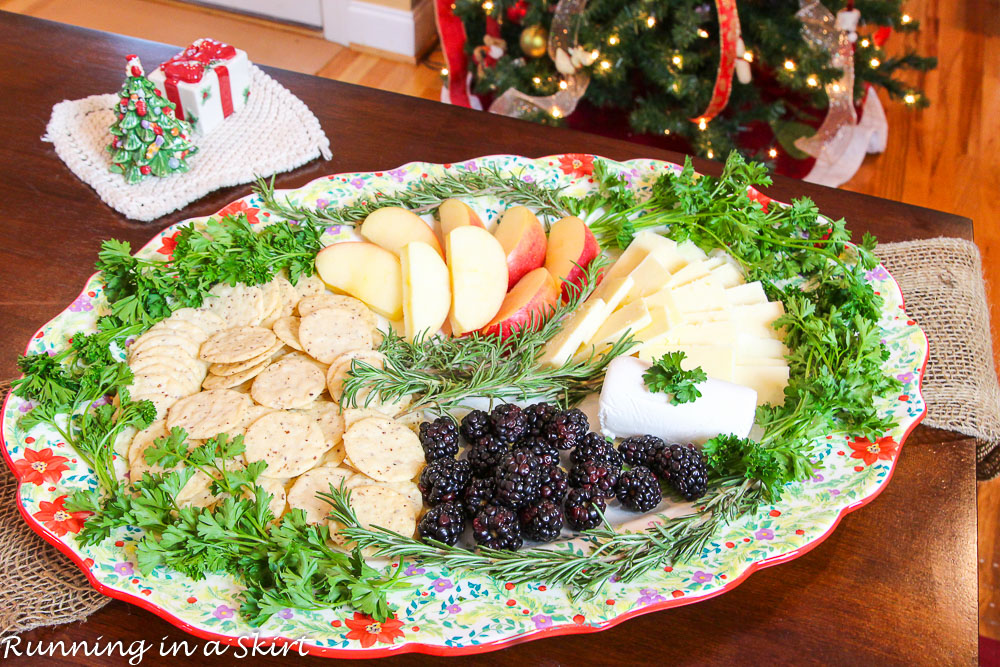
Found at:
(274, 132)
(941, 280)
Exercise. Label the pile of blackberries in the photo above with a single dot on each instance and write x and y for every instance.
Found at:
(511, 486)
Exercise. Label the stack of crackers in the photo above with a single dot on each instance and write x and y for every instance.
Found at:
(269, 362)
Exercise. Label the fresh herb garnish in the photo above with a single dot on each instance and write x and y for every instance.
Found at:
(442, 373)
(772, 466)
(667, 377)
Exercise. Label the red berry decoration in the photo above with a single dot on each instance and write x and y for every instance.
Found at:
(157, 129)
(136, 71)
(517, 12)
(144, 169)
(140, 107)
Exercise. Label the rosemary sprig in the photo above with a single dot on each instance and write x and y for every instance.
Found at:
(442, 373)
(624, 556)
(422, 196)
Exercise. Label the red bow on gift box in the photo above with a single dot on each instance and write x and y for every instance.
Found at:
(190, 66)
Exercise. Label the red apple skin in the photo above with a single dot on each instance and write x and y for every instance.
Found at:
(456, 213)
(523, 239)
(534, 296)
(572, 246)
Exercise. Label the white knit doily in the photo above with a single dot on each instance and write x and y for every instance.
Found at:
(274, 132)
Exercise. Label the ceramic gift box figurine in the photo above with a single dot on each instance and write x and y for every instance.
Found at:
(208, 82)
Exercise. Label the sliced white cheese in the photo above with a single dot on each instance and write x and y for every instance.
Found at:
(629, 259)
(707, 316)
(662, 320)
(755, 347)
(631, 318)
(613, 290)
(727, 275)
(768, 381)
(689, 273)
(756, 319)
(746, 295)
(628, 408)
(580, 326)
(700, 295)
(708, 333)
(649, 277)
(761, 361)
(690, 251)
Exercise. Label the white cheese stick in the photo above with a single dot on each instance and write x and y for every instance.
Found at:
(628, 408)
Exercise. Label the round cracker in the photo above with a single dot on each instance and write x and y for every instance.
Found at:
(287, 329)
(240, 366)
(288, 383)
(236, 379)
(182, 328)
(329, 419)
(270, 304)
(279, 497)
(205, 320)
(163, 338)
(379, 505)
(311, 304)
(208, 413)
(384, 450)
(341, 366)
(238, 344)
(335, 456)
(144, 438)
(178, 366)
(303, 494)
(290, 443)
(238, 305)
(328, 333)
(309, 285)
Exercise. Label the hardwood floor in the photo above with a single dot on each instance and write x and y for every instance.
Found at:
(943, 157)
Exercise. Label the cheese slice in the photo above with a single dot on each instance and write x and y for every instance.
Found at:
(706, 316)
(760, 361)
(629, 259)
(727, 275)
(631, 318)
(691, 252)
(768, 381)
(756, 319)
(746, 295)
(580, 326)
(718, 361)
(700, 295)
(649, 277)
(755, 347)
(688, 274)
(613, 290)
(708, 333)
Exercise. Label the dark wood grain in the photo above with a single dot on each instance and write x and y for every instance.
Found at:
(894, 583)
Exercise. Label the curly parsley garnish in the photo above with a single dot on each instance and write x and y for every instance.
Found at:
(666, 376)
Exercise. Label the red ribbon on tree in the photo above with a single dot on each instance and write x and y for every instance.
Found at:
(190, 66)
(729, 35)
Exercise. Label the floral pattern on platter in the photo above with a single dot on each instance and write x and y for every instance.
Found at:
(449, 610)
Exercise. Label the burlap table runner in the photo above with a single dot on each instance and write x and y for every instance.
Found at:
(941, 280)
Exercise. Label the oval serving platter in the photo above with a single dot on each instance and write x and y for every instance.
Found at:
(455, 612)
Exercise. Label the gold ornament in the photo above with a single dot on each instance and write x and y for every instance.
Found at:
(534, 41)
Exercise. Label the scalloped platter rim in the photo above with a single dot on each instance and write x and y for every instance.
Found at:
(451, 613)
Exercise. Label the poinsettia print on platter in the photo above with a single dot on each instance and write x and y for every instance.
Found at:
(455, 611)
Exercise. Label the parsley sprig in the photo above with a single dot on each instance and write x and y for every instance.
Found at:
(666, 376)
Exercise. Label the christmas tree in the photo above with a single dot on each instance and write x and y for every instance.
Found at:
(147, 138)
(704, 78)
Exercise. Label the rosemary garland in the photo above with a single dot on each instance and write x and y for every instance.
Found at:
(423, 196)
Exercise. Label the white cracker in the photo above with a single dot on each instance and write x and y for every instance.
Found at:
(205, 320)
(161, 338)
(327, 334)
(287, 329)
(208, 413)
(240, 366)
(309, 285)
(276, 487)
(335, 456)
(234, 380)
(383, 449)
(328, 417)
(178, 365)
(379, 505)
(303, 493)
(238, 305)
(288, 383)
(288, 442)
(310, 304)
(182, 328)
(235, 345)
(270, 303)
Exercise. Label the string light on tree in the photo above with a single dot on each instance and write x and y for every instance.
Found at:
(702, 124)
(865, 43)
(678, 60)
(748, 56)
(488, 6)
(773, 152)
(613, 40)
(910, 99)
(790, 65)
(444, 71)
(874, 62)
(702, 33)
(905, 19)
(563, 85)
(605, 65)
(812, 81)
(711, 154)
(556, 112)
(651, 22)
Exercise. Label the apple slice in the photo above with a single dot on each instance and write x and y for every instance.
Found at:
(523, 239)
(426, 290)
(393, 227)
(478, 277)
(571, 247)
(365, 271)
(532, 300)
(455, 213)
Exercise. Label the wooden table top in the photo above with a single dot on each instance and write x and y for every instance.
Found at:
(895, 582)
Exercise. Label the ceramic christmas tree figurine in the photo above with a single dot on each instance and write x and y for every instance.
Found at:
(147, 138)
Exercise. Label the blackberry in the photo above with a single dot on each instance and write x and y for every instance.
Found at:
(536, 416)
(496, 527)
(639, 449)
(639, 490)
(439, 439)
(555, 484)
(584, 508)
(542, 522)
(443, 480)
(477, 495)
(601, 477)
(595, 447)
(518, 480)
(683, 467)
(565, 428)
(508, 423)
(485, 454)
(475, 425)
(541, 448)
(443, 523)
